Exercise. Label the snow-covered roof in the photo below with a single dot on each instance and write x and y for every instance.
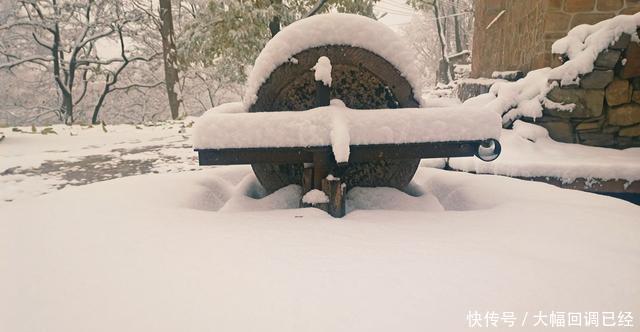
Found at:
(333, 29)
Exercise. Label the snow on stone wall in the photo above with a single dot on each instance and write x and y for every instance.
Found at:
(592, 98)
(521, 38)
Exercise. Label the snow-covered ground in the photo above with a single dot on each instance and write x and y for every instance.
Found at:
(32, 164)
(528, 151)
(202, 251)
(205, 249)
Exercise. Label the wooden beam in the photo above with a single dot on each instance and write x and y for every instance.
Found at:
(363, 153)
(254, 156)
(358, 153)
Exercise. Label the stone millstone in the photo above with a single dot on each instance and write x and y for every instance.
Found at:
(362, 80)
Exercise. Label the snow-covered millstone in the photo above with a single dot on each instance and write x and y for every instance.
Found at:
(366, 65)
(332, 29)
(375, 132)
(334, 137)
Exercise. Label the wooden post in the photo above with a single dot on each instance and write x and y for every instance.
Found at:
(307, 182)
(335, 190)
(323, 94)
(307, 178)
(320, 168)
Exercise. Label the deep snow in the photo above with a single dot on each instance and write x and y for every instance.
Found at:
(166, 253)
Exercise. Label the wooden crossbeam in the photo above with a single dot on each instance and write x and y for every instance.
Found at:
(358, 153)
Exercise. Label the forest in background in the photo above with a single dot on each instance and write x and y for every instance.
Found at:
(135, 61)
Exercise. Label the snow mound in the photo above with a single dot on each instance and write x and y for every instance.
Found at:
(530, 131)
(525, 97)
(383, 198)
(341, 127)
(332, 29)
(315, 196)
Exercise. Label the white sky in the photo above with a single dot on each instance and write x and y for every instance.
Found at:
(398, 12)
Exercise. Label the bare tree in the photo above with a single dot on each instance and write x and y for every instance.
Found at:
(112, 76)
(61, 38)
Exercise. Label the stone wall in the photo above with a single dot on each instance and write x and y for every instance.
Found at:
(607, 111)
(521, 38)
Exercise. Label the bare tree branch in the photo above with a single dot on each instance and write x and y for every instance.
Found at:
(137, 85)
(31, 59)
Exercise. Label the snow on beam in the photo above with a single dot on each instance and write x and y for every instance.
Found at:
(364, 127)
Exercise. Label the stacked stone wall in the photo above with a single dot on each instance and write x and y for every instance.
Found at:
(607, 101)
(521, 38)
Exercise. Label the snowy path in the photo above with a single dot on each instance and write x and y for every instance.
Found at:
(35, 164)
(158, 252)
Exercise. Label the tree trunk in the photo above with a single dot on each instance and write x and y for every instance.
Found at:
(274, 24)
(169, 55)
(103, 95)
(443, 75)
(456, 29)
(67, 104)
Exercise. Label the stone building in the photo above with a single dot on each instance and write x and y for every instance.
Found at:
(521, 37)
